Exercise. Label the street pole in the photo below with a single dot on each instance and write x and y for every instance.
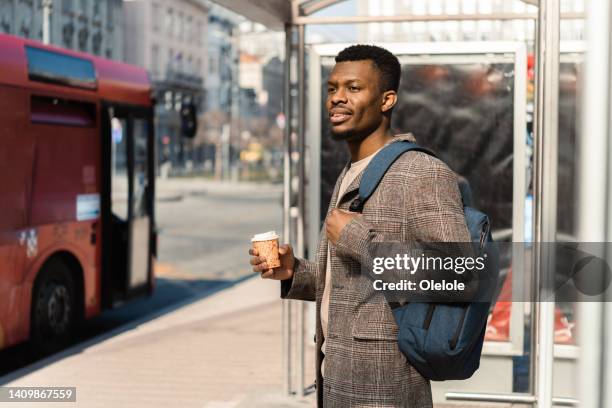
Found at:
(286, 304)
(225, 150)
(545, 200)
(301, 244)
(235, 106)
(47, 8)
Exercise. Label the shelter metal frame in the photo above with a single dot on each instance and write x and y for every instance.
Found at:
(545, 162)
(595, 203)
(302, 14)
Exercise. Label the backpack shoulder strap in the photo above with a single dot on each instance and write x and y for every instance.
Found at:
(377, 168)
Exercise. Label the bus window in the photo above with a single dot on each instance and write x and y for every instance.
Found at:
(55, 67)
(56, 111)
(119, 174)
(141, 220)
(140, 167)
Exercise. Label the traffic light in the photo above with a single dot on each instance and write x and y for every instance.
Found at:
(189, 120)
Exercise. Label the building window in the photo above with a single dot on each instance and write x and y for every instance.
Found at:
(178, 61)
(169, 23)
(110, 13)
(452, 7)
(67, 6)
(83, 36)
(469, 6)
(96, 43)
(388, 8)
(178, 101)
(179, 26)
(68, 34)
(96, 9)
(170, 63)
(197, 28)
(25, 29)
(189, 29)
(6, 16)
(155, 60)
(189, 69)
(83, 10)
(213, 65)
(168, 99)
(155, 11)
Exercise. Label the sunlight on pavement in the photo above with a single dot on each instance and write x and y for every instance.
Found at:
(169, 271)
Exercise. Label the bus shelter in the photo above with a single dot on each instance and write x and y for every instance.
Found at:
(505, 111)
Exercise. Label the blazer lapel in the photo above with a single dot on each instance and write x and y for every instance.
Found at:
(350, 191)
(324, 243)
(334, 197)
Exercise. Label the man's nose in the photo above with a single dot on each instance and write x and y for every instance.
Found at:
(338, 97)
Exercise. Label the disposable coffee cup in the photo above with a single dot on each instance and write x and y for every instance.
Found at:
(266, 244)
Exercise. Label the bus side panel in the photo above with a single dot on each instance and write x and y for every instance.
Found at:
(66, 238)
(65, 178)
(16, 158)
(14, 319)
(66, 196)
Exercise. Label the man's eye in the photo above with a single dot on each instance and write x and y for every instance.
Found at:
(331, 90)
(354, 89)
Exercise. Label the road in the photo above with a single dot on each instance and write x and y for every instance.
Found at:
(205, 231)
(206, 234)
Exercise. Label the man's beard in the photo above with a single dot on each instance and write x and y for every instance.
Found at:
(348, 135)
(352, 135)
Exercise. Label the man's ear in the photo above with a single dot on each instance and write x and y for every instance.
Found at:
(389, 100)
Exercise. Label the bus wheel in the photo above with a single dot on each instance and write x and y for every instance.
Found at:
(53, 308)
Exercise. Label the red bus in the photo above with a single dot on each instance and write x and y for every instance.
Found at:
(77, 229)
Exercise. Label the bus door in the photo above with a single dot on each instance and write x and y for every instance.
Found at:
(128, 243)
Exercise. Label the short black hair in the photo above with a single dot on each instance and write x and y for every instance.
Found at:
(385, 61)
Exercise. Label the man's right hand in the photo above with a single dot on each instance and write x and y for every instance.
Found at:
(283, 272)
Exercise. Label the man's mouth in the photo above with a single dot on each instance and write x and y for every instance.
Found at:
(337, 117)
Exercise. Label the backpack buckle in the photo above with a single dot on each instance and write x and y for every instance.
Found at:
(356, 205)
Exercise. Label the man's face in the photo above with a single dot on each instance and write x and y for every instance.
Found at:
(354, 100)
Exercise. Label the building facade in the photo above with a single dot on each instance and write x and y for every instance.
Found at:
(222, 90)
(169, 39)
(222, 59)
(95, 27)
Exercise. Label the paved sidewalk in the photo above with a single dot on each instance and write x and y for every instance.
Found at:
(219, 352)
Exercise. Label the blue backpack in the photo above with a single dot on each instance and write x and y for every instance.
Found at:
(443, 341)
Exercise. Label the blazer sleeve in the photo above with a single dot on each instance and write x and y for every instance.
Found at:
(302, 286)
(433, 213)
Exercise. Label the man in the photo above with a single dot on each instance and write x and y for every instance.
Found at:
(359, 363)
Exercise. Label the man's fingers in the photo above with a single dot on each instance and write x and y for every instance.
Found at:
(253, 252)
(260, 267)
(255, 260)
(327, 228)
(267, 274)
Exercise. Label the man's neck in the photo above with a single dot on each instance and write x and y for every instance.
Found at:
(369, 145)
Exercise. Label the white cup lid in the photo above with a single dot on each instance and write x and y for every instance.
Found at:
(266, 236)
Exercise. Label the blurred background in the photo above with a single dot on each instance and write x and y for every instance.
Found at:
(143, 143)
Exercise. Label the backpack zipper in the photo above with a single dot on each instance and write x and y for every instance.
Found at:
(429, 316)
(453, 341)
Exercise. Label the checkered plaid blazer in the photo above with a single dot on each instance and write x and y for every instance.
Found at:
(417, 200)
